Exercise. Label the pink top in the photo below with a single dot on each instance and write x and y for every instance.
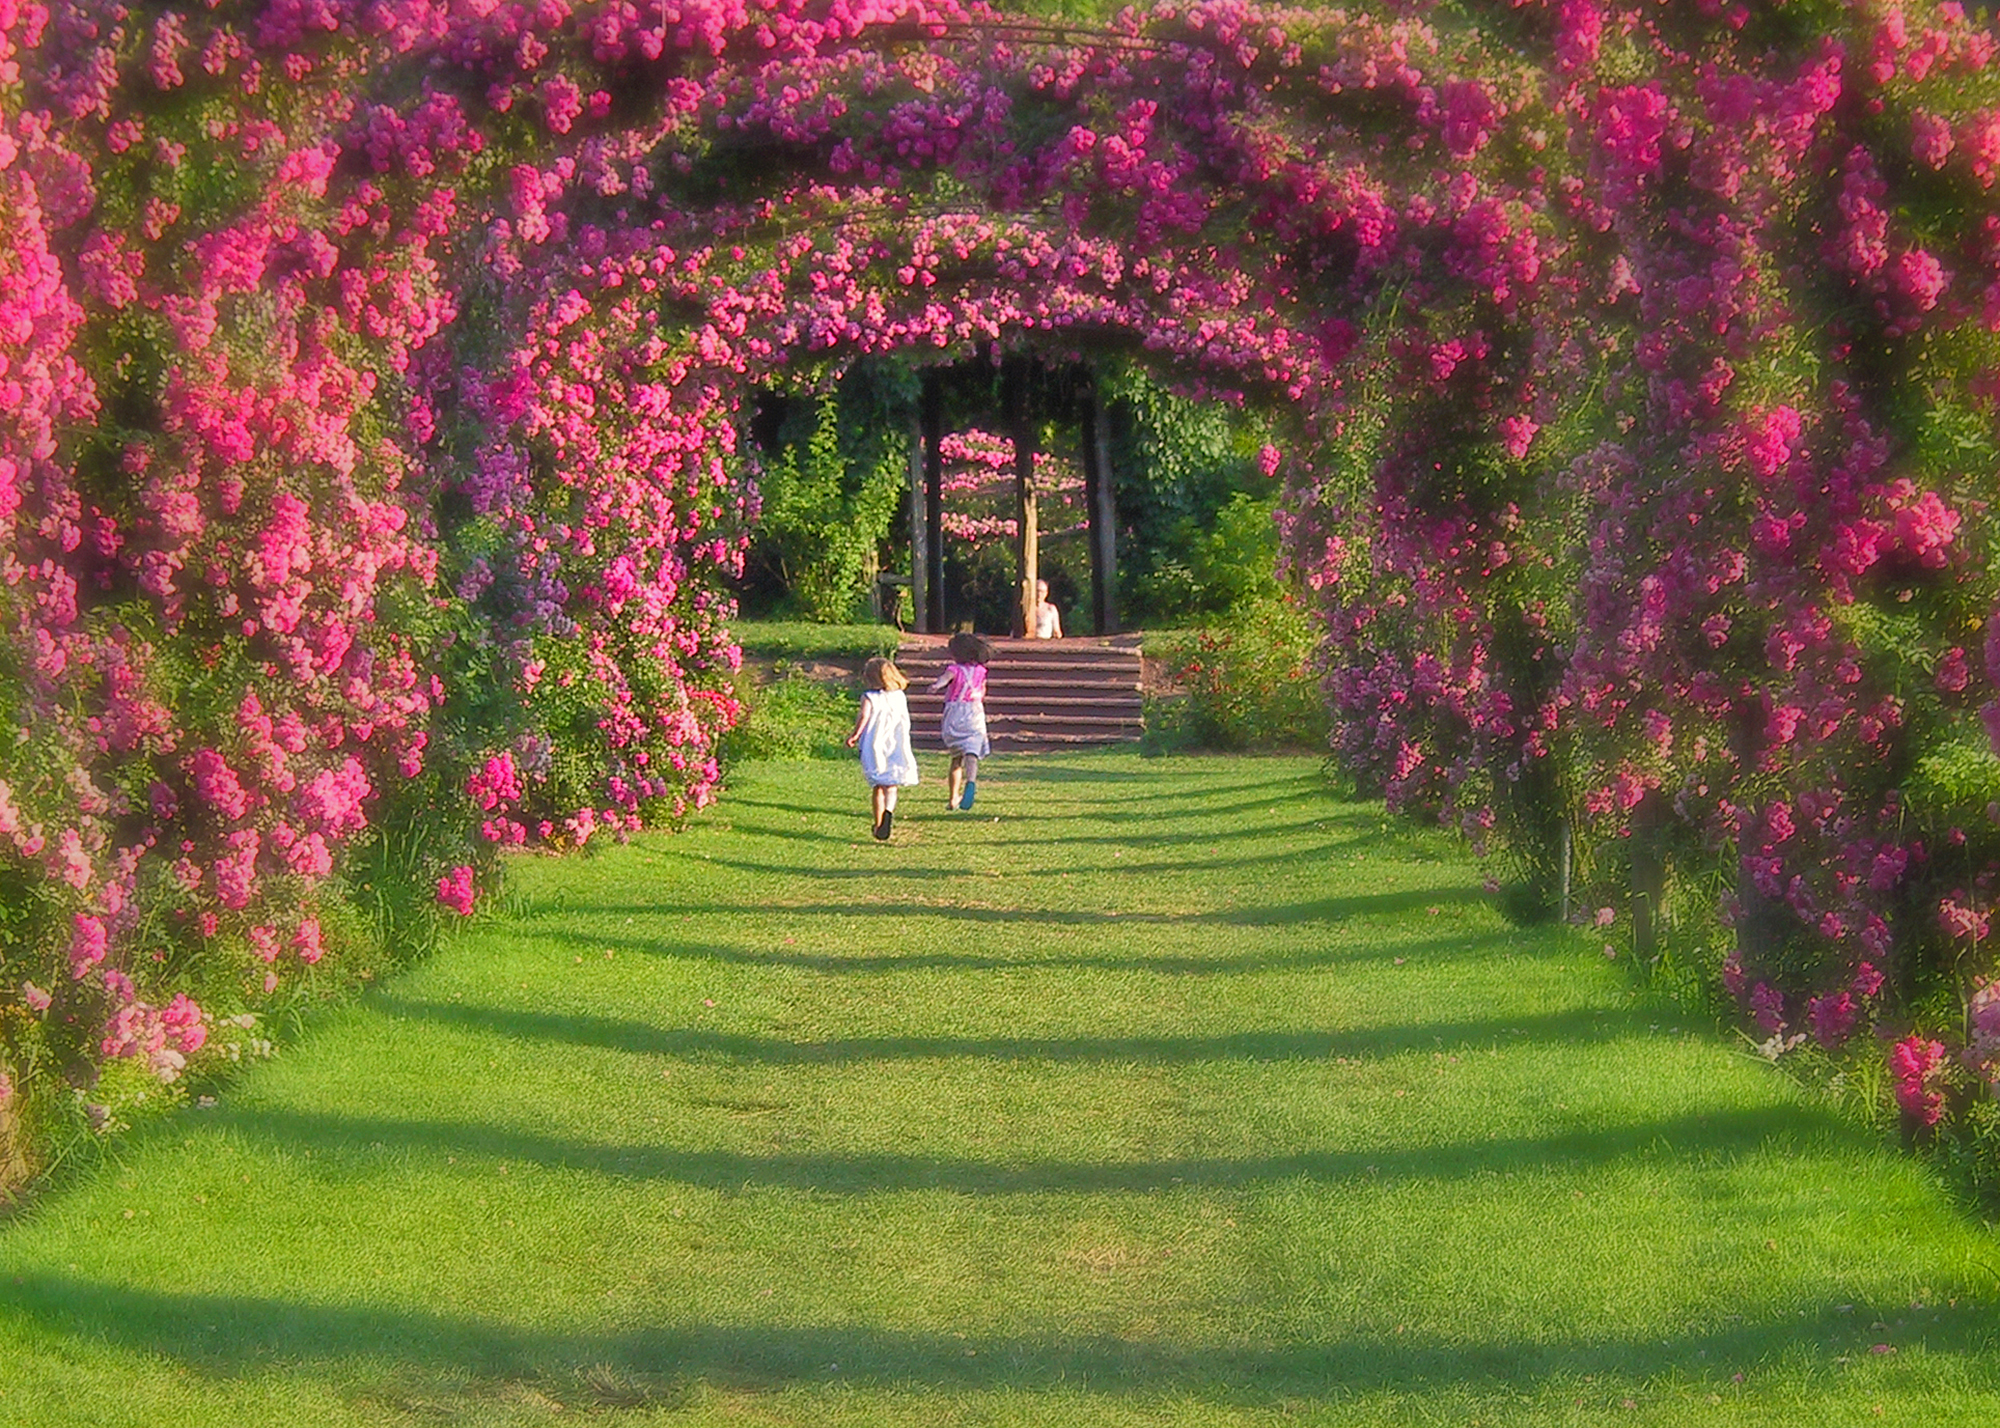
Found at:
(967, 681)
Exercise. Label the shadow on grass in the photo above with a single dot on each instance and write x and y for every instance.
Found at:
(1343, 817)
(1067, 838)
(1088, 783)
(758, 829)
(1683, 1142)
(1247, 798)
(730, 801)
(1580, 1027)
(939, 819)
(1121, 812)
(1319, 910)
(224, 1335)
(1310, 856)
(1171, 964)
(1055, 775)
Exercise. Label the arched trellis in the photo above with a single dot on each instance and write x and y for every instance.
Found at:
(366, 359)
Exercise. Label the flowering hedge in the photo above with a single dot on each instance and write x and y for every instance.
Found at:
(372, 370)
(296, 553)
(1672, 520)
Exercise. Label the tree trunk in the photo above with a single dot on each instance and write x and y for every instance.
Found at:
(1027, 538)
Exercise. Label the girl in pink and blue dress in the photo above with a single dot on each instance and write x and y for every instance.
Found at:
(882, 731)
(964, 725)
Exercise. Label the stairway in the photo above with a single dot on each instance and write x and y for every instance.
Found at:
(1041, 695)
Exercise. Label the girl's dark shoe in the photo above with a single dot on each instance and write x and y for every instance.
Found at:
(882, 828)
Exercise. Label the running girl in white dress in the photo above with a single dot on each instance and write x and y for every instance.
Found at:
(963, 727)
(883, 733)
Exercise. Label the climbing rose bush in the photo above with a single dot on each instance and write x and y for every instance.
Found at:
(1679, 533)
(374, 369)
(288, 569)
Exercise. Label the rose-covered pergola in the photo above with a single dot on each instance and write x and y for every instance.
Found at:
(371, 373)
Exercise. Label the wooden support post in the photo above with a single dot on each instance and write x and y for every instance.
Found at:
(1563, 874)
(1101, 505)
(1649, 879)
(920, 559)
(930, 618)
(1027, 536)
(1759, 919)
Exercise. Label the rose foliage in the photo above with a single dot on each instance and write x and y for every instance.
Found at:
(370, 375)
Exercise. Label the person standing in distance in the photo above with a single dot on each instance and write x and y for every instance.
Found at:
(1048, 619)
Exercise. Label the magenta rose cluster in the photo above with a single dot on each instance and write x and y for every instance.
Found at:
(374, 373)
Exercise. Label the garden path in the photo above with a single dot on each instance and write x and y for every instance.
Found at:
(1153, 1092)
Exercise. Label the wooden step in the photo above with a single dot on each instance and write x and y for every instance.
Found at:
(931, 706)
(1078, 720)
(1041, 695)
(997, 673)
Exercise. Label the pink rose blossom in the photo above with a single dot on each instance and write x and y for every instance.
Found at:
(1913, 1064)
(455, 890)
(1956, 920)
(1767, 1005)
(1831, 1018)
(306, 941)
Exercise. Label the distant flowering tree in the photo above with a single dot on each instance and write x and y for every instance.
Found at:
(371, 374)
(978, 482)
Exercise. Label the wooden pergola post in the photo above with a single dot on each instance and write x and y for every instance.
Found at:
(1027, 542)
(1100, 502)
(1649, 877)
(930, 616)
(920, 560)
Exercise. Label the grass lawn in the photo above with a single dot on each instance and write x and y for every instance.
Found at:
(798, 640)
(1153, 1092)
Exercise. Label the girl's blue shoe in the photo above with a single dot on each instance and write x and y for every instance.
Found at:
(966, 801)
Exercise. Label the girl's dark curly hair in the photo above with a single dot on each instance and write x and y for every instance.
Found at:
(968, 648)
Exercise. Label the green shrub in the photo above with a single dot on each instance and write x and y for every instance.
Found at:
(1247, 682)
(1955, 784)
(1179, 464)
(793, 717)
(829, 497)
(1225, 560)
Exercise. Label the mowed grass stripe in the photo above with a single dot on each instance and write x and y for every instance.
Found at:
(1163, 1092)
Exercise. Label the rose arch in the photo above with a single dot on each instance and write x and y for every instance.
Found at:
(372, 375)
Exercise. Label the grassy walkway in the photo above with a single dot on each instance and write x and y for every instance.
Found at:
(1154, 1093)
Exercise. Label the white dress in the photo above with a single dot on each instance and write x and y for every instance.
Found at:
(887, 760)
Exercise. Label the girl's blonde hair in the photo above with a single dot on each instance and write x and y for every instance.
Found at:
(880, 673)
